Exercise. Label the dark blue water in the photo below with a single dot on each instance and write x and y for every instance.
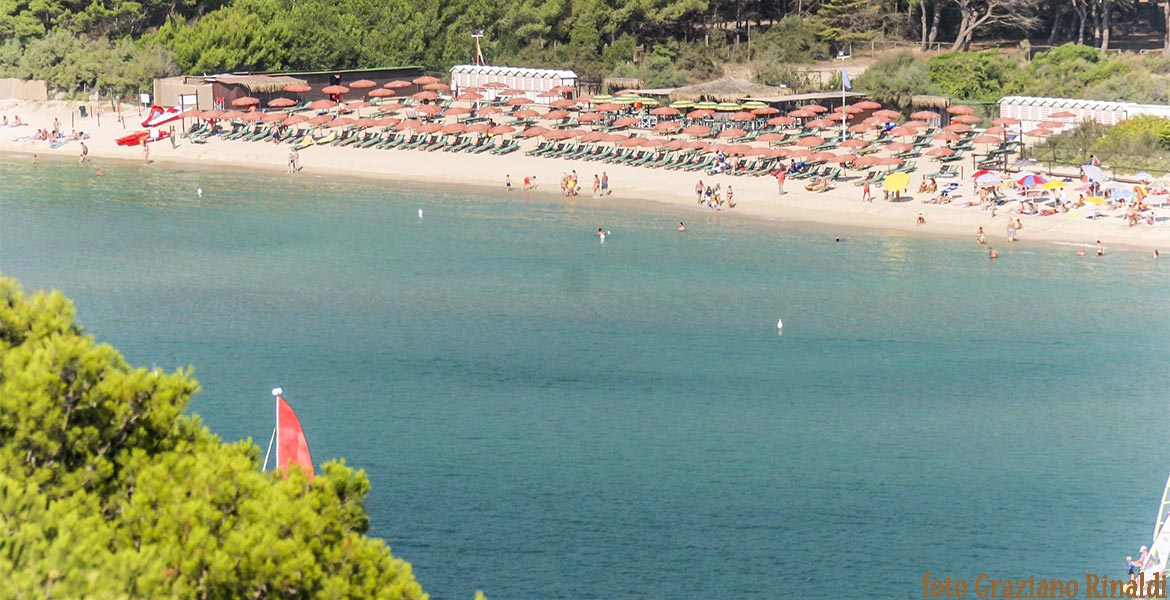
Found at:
(545, 416)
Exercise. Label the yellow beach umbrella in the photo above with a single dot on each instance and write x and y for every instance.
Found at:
(896, 182)
(1094, 200)
(1055, 184)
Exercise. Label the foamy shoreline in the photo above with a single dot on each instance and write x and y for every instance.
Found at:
(756, 197)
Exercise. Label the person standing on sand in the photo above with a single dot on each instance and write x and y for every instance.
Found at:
(508, 182)
(730, 197)
(596, 186)
(604, 183)
(866, 193)
(293, 158)
(84, 153)
(781, 175)
(699, 191)
(174, 143)
(146, 151)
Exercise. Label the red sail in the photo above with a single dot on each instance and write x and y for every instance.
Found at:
(291, 447)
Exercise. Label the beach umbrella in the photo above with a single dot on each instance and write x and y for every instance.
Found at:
(843, 158)
(865, 161)
(496, 85)
(429, 127)
(697, 130)
(810, 141)
(232, 114)
(607, 107)
(854, 143)
(728, 106)
(381, 93)
(682, 104)
(297, 88)
(1031, 180)
(741, 116)
(986, 139)
(563, 103)
(453, 128)
(296, 120)
(469, 97)
(815, 109)
(319, 120)
(362, 84)
(751, 104)
(781, 121)
(888, 114)
(898, 147)
(702, 113)
(988, 179)
(342, 122)
(946, 136)
(428, 109)
(335, 89)
(1050, 125)
(632, 142)
(996, 131)
(706, 105)
(1143, 176)
(914, 124)
(1039, 132)
(521, 101)
(437, 87)
(1095, 200)
(820, 156)
(425, 95)
(1054, 184)
(957, 128)
(480, 127)
(925, 115)
(589, 117)
(552, 115)
(356, 104)
(364, 122)
(397, 83)
(896, 182)
(764, 111)
(625, 121)
(549, 94)
(968, 119)
(868, 105)
(490, 110)
(387, 122)
(252, 116)
(734, 132)
(281, 102)
(770, 137)
(801, 114)
(1005, 122)
(1094, 173)
(850, 109)
(246, 101)
(322, 104)
(272, 117)
(425, 79)
(667, 126)
(510, 92)
(665, 111)
(940, 152)
(960, 109)
(600, 98)
(190, 114)
(903, 131)
(535, 131)
(820, 123)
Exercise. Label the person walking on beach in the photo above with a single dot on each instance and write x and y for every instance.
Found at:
(293, 158)
(604, 183)
(508, 182)
(84, 153)
(171, 135)
(781, 175)
(1011, 231)
(146, 151)
(699, 191)
(730, 197)
(596, 186)
(866, 193)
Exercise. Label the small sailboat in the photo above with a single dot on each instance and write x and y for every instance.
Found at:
(289, 439)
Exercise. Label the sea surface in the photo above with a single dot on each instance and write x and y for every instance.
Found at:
(546, 416)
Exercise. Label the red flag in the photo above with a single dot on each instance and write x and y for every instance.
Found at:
(291, 447)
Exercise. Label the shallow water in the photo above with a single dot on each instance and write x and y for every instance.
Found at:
(545, 416)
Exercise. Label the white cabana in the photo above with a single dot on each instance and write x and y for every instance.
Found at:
(533, 82)
(1032, 110)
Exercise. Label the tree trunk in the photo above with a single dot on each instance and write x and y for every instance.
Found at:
(1166, 20)
(1106, 23)
(1080, 8)
(923, 5)
(1056, 22)
(935, 19)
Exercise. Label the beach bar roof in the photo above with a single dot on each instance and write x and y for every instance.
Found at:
(533, 82)
(1031, 110)
(259, 84)
(723, 90)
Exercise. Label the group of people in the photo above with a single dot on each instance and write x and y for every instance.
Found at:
(15, 121)
(713, 197)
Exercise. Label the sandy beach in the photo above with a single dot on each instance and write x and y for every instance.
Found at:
(755, 197)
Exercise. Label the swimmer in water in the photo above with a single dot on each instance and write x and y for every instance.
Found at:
(682, 227)
(98, 172)
(992, 254)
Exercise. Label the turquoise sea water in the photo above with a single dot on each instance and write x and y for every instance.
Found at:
(544, 416)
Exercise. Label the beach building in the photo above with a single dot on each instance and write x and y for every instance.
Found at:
(1032, 110)
(215, 92)
(537, 84)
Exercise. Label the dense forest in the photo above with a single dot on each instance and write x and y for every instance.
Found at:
(117, 46)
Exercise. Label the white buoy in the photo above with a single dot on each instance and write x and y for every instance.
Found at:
(420, 213)
(199, 192)
(277, 391)
(779, 323)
